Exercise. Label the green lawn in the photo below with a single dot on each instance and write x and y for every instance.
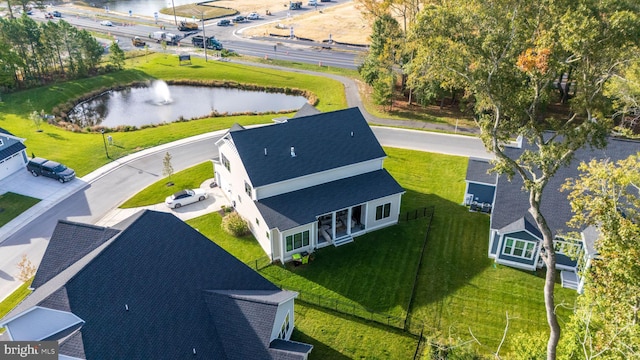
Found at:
(14, 299)
(12, 205)
(186, 179)
(84, 152)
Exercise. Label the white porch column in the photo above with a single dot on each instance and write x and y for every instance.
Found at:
(349, 221)
(333, 225)
(282, 245)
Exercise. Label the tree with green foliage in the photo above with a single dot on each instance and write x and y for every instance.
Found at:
(383, 90)
(625, 91)
(384, 51)
(507, 55)
(117, 56)
(606, 324)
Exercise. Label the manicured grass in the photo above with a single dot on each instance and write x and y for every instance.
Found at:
(338, 337)
(12, 205)
(14, 299)
(84, 152)
(246, 248)
(186, 179)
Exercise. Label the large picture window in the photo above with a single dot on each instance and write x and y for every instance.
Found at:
(296, 241)
(519, 248)
(383, 211)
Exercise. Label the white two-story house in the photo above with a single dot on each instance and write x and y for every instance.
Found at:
(13, 156)
(308, 182)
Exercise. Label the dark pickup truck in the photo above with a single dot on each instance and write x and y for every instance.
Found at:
(39, 166)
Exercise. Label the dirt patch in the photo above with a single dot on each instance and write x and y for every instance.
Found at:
(344, 22)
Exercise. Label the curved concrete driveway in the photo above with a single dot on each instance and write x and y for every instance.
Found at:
(93, 197)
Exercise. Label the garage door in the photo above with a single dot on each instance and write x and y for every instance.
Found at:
(12, 164)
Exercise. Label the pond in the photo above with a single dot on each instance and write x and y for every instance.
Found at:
(162, 103)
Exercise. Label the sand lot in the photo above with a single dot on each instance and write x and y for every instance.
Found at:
(344, 22)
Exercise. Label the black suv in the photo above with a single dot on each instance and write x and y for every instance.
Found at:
(39, 166)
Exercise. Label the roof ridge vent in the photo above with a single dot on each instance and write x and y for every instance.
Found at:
(265, 151)
(352, 134)
(293, 151)
(126, 307)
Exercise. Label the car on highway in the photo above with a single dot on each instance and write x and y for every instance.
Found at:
(48, 15)
(239, 19)
(51, 169)
(223, 22)
(106, 23)
(185, 197)
(253, 16)
(57, 13)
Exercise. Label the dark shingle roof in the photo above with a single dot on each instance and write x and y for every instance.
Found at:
(10, 150)
(291, 347)
(512, 202)
(70, 242)
(3, 131)
(322, 142)
(300, 207)
(477, 171)
(160, 268)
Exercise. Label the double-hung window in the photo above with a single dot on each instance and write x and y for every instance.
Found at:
(225, 162)
(296, 241)
(383, 211)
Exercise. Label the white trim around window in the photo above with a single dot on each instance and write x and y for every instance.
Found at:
(519, 248)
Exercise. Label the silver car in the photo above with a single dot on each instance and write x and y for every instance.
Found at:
(185, 197)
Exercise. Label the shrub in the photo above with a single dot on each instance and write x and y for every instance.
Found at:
(235, 225)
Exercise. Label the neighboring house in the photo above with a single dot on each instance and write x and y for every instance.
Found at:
(308, 182)
(515, 239)
(152, 287)
(480, 188)
(13, 156)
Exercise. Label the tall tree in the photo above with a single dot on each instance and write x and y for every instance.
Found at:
(117, 56)
(606, 323)
(507, 54)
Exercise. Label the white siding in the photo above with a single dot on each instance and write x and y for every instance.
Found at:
(299, 229)
(12, 164)
(394, 212)
(317, 178)
(281, 314)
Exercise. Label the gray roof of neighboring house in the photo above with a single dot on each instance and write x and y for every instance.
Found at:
(306, 110)
(300, 207)
(10, 150)
(478, 171)
(321, 142)
(161, 269)
(3, 131)
(512, 203)
(520, 225)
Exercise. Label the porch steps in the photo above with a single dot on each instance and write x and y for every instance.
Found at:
(569, 279)
(343, 240)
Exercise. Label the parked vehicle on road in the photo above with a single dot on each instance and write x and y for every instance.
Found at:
(39, 166)
(136, 41)
(295, 5)
(253, 16)
(223, 22)
(239, 19)
(185, 197)
(187, 26)
(211, 42)
(169, 38)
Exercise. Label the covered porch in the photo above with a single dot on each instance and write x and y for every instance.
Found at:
(338, 227)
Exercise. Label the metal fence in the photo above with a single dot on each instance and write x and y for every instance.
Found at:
(426, 211)
(259, 263)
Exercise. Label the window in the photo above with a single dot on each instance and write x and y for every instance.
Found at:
(519, 248)
(383, 211)
(247, 188)
(267, 234)
(225, 162)
(566, 247)
(257, 221)
(1, 142)
(296, 241)
(285, 328)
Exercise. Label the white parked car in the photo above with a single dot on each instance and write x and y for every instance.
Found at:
(185, 197)
(106, 23)
(253, 16)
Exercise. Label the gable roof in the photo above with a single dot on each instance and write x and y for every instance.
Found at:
(321, 142)
(10, 150)
(306, 110)
(3, 131)
(512, 203)
(292, 209)
(478, 171)
(146, 287)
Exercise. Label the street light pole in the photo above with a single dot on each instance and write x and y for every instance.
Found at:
(105, 143)
(204, 37)
(174, 13)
